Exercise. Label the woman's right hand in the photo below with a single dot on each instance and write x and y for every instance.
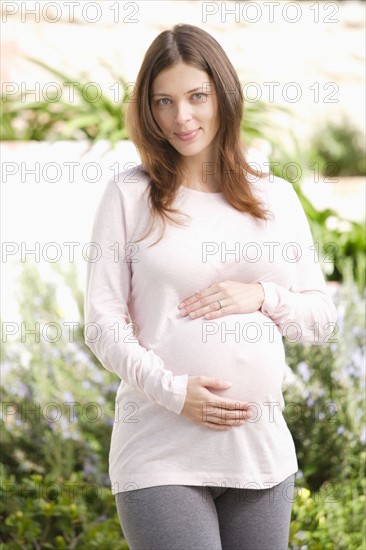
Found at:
(209, 410)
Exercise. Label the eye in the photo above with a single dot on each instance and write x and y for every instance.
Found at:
(163, 99)
(202, 96)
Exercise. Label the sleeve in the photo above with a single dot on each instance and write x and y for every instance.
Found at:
(305, 312)
(108, 280)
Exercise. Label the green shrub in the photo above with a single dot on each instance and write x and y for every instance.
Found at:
(326, 416)
(330, 519)
(50, 512)
(325, 407)
(58, 411)
(53, 119)
(338, 149)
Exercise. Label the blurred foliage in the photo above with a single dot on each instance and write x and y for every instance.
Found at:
(58, 413)
(257, 121)
(330, 392)
(330, 519)
(338, 240)
(86, 117)
(338, 149)
(325, 412)
(41, 511)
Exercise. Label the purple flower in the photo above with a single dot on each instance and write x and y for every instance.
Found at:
(20, 389)
(5, 367)
(97, 376)
(68, 397)
(89, 468)
(304, 371)
(359, 359)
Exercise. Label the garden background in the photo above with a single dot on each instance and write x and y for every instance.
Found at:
(68, 69)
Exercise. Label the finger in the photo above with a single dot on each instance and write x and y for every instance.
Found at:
(198, 311)
(222, 416)
(228, 404)
(218, 311)
(193, 298)
(200, 297)
(229, 418)
(204, 306)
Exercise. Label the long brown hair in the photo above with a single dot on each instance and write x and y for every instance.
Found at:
(161, 162)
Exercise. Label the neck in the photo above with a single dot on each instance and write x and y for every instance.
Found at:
(200, 172)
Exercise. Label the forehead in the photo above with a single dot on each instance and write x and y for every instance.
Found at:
(180, 77)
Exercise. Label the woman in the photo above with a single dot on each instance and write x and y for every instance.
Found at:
(196, 463)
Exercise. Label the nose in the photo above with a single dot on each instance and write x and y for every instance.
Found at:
(182, 113)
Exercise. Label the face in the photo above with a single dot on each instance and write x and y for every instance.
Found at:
(184, 105)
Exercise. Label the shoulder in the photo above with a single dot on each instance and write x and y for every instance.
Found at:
(270, 183)
(274, 189)
(132, 183)
(125, 199)
(280, 197)
(127, 192)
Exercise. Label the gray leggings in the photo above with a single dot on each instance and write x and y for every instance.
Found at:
(190, 517)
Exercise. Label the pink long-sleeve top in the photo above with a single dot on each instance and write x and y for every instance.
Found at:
(135, 329)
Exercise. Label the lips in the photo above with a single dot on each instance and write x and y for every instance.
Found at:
(187, 133)
(188, 136)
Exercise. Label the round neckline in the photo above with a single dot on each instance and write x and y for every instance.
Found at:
(184, 188)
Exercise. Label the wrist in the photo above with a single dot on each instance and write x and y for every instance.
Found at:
(261, 296)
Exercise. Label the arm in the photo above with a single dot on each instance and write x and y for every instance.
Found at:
(307, 301)
(107, 293)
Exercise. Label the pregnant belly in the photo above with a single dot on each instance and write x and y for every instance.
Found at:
(246, 349)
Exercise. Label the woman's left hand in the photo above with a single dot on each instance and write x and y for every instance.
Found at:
(233, 296)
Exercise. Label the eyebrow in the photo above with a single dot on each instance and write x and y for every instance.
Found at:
(189, 92)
